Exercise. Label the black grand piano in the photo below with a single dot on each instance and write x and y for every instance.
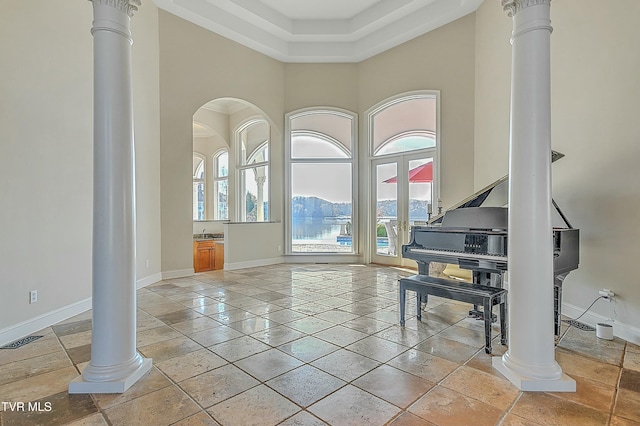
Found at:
(473, 235)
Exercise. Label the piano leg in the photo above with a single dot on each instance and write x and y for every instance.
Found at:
(503, 323)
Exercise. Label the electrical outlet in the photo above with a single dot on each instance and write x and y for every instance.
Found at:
(146, 264)
(606, 293)
(279, 249)
(33, 296)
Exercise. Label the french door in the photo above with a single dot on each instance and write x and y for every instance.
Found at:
(403, 191)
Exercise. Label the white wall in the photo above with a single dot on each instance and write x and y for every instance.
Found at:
(46, 158)
(197, 66)
(595, 98)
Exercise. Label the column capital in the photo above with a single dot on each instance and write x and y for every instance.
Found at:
(125, 6)
(513, 6)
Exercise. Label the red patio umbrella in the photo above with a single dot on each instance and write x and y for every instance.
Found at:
(422, 173)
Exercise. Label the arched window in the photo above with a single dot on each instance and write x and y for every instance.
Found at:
(198, 186)
(320, 172)
(252, 140)
(221, 185)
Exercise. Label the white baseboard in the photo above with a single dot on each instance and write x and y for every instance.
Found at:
(624, 331)
(253, 263)
(25, 328)
(178, 273)
(151, 279)
(323, 258)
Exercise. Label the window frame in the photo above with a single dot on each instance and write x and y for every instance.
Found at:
(241, 206)
(352, 159)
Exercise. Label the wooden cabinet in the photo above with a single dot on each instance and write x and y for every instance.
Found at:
(219, 255)
(208, 255)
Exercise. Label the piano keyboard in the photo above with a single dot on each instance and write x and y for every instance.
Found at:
(479, 256)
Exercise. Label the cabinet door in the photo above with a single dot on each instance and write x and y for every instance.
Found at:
(219, 256)
(204, 257)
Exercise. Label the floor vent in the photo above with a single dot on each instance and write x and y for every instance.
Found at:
(20, 343)
(579, 325)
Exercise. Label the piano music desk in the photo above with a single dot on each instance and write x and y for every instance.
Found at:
(477, 294)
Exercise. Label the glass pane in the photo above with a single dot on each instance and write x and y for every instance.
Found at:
(222, 165)
(198, 200)
(409, 143)
(221, 196)
(420, 190)
(405, 125)
(310, 146)
(254, 141)
(198, 167)
(321, 208)
(387, 209)
(255, 187)
(328, 125)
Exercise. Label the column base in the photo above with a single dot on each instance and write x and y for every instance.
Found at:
(80, 385)
(563, 384)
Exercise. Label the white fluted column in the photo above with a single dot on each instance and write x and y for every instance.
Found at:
(530, 361)
(115, 364)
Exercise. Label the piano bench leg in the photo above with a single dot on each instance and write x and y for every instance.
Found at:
(403, 296)
(488, 303)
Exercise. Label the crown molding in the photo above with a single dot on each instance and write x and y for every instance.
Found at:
(373, 30)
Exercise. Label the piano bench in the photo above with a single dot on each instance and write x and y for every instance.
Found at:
(477, 294)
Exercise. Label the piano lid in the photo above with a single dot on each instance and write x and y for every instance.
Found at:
(495, 195)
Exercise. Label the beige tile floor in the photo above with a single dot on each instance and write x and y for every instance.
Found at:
(312, 345)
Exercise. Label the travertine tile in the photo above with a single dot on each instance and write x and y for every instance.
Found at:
(152, 381)
(92, 420)
(305, 385)
(57, 409)
(444, 406)
(627, 405)
(577, 365)
(632, 360)
(308, 348)
(279, 335)
(408, 419)
(217, 385)
(345, 364)
(546, 409)
(379, 349)
(485, 387)
(239, 348)
(179, 316)
(421, 364)
(19, 370)
(168, 349)
(303, 418)
(340, 335)
(199, 419)
(155, 335)
(38, 387)
(162, 407)
(267, 408)
(215, 335)
(44, 345)
(393, 385)
(353, 406)
(268, 364)
(447, 349)
(591, 393)
(189, 365)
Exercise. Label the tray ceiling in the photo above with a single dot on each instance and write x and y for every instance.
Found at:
(320, 30)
